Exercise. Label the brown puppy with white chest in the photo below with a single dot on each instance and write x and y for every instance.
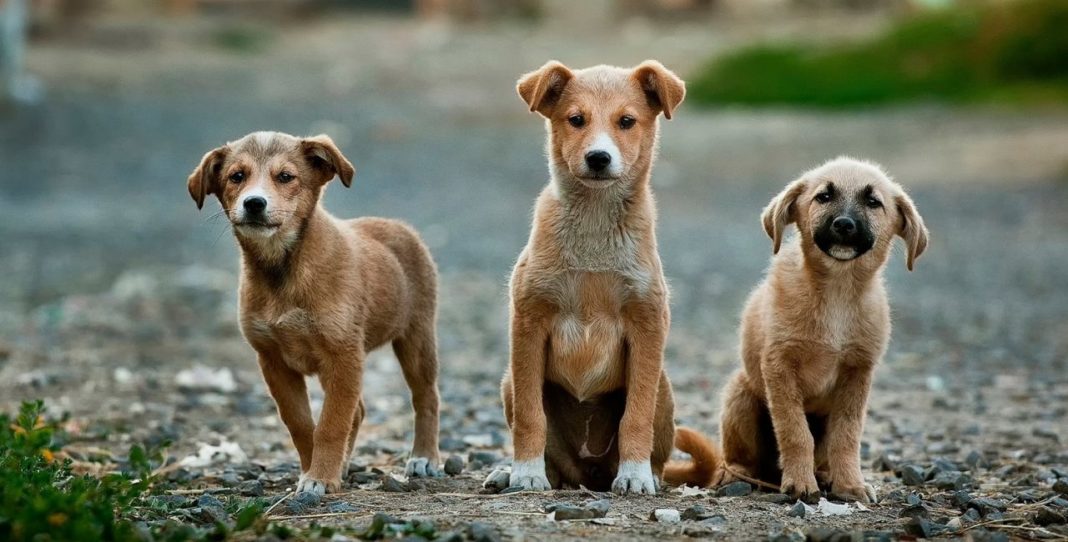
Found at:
(318, 293)
(814, 330)
(586, 395)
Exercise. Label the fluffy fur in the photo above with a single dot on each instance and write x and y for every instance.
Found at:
(585, 394)
(317, 293)
(814, 330)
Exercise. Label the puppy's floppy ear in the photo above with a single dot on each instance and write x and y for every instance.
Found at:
(541, 88)
(324, 155)
(663, 89)
(205, 178)
(780, 212)
(912, 229)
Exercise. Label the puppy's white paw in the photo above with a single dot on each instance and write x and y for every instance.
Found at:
(529, 475)
(311, 485)
(635, 478)
(499, 479)
(421, 467)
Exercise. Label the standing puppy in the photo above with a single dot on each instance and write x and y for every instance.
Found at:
(317, 293)
(586, 395)
(815, 329)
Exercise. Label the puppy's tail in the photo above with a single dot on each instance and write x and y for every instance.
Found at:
(704, 460)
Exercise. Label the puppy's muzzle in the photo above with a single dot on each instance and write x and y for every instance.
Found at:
(255, 206)
(844, 238)
(598, 161)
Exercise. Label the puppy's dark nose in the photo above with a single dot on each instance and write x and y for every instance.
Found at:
(844, 225)
(598, 160)
(255, 204)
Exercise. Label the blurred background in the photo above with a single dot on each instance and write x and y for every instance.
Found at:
(118, 297)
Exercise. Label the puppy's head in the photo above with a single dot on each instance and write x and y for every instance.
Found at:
(268, 182)
(847, 212)
(602, 121)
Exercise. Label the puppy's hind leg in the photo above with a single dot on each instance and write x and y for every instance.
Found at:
(418, 356)
(741, 432)
(356, 421)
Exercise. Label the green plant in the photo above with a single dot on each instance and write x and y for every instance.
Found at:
(42, 499)
(1008, 50)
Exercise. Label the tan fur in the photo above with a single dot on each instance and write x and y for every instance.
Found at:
(811, 335)
(586, 388)
(318, 293)
(702, 469)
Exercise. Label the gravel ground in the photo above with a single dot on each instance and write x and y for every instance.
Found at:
(118, 303)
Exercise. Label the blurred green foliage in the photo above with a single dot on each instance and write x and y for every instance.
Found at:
(43, 499)
(1006, 51)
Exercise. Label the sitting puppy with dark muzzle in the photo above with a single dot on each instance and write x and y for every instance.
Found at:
(814, 330)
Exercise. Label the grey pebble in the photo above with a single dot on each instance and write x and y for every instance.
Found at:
(735, 489)
(454, 465)
(251, 488)
(697, 513)
(341, 507)
(1048, 516)
(912, 475)
(483, 532)
(392, 485)
(798, 510)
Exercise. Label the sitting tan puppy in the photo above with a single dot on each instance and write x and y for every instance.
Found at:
(586, 395)
(318, 293)
(814, 330)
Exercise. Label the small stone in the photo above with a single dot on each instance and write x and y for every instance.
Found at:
(454, 465)
(482, 458)
(912, 475)
(773, 498)
(735, 489)
(696, 513)
(914, 511)
(1028, 496)
(1061, 486)
(923, 528)
(483, 532)
(961, 499)
(798, 510)
(452, 444)
(341, 507)
(971, 515)
(666, 515)
(883, 463)
(951, 480)
(170, 501)
(209, 500)
(912, 499)
(392, 485)
(230, 479)
(987, 505)
(251, 488)
(1048, 516)
(591, 510)
(976, 460)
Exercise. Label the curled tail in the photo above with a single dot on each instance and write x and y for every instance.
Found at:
(701, 468)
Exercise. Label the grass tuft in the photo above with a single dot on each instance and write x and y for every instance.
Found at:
(1008, 51)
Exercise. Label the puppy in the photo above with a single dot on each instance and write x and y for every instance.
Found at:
(585, 395)
(318, 293)
(814, 330)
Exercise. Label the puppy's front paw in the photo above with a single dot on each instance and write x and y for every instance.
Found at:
(317, 486)
(421, 467)
(864, 493)
(499, 479)
(635, 478)
(529, 475)
(801, 486)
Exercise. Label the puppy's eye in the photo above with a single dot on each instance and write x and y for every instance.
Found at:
(873, 203)
(626, 122)
(824, 197)
(237, 176)
(285, 177)
(578, 121)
